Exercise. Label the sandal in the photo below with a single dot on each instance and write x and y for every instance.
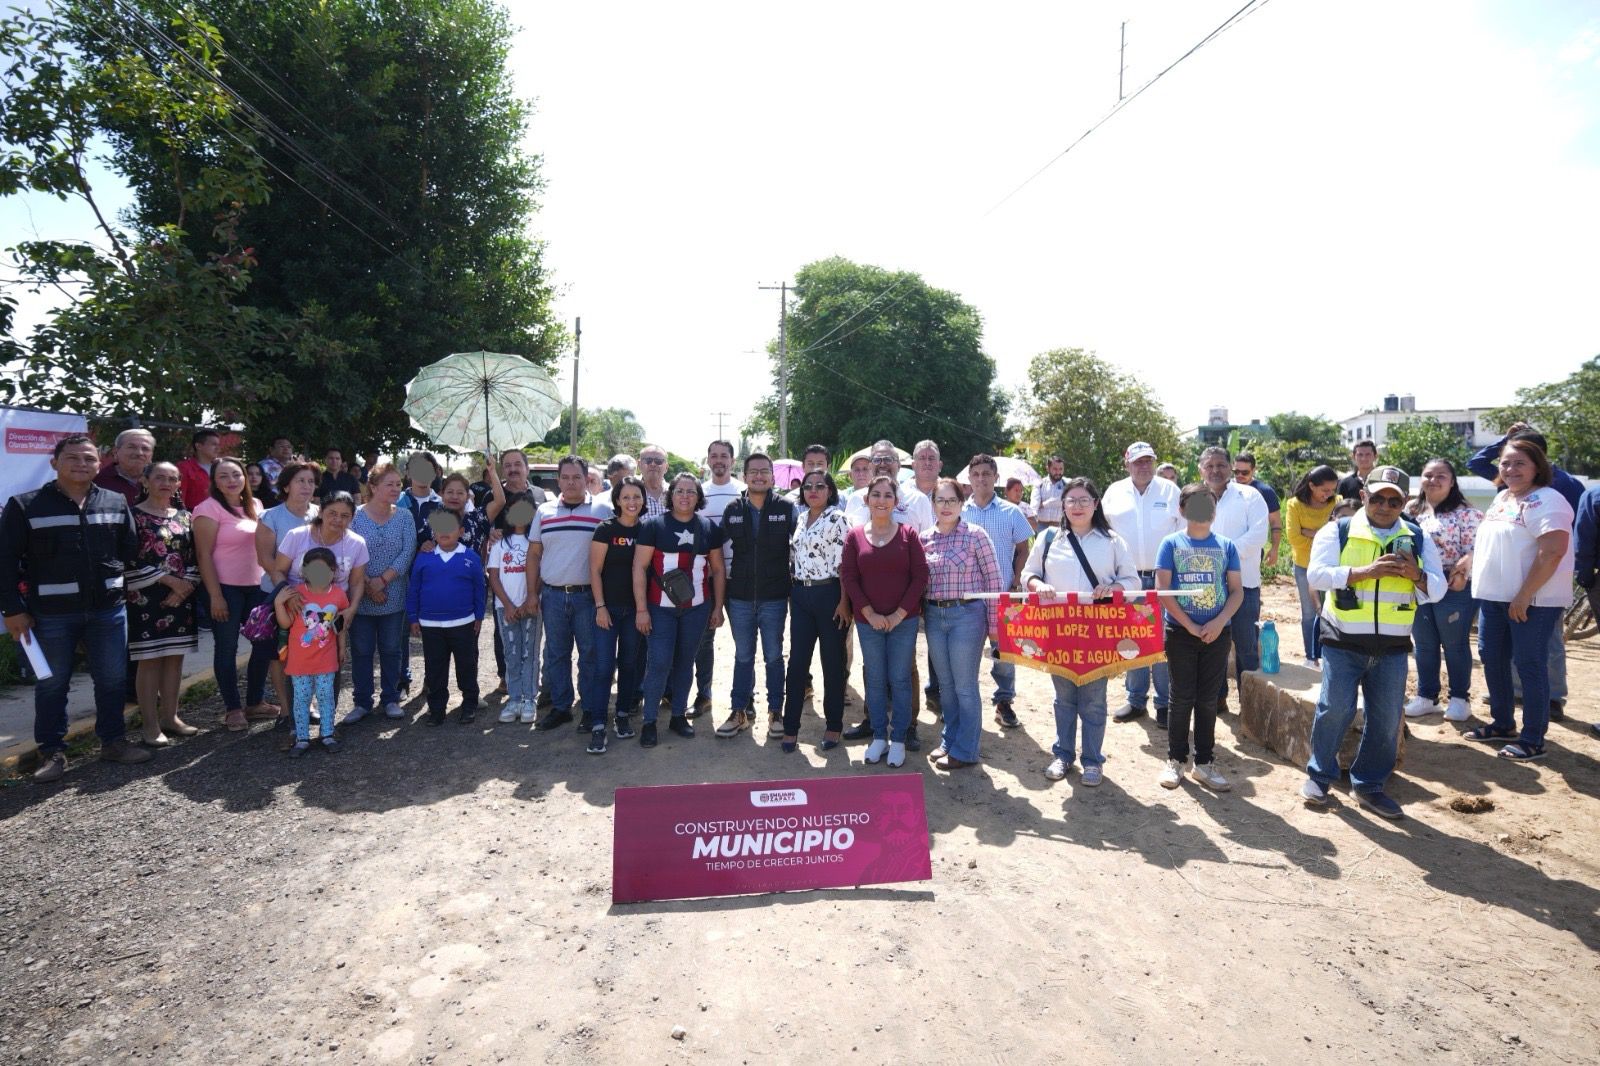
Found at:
(1521, 752)
(262, 712)
(1489, 732)
(235, 721)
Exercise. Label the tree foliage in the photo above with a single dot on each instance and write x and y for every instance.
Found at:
(875, 354)
(602, 433)
(1088, 412)
(1412, 443)
(1297, 443)
(1567, 412)
(151, 322)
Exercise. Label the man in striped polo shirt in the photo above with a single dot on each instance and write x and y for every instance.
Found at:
(558, 560)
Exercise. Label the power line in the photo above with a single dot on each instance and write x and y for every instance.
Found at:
(1244, 12)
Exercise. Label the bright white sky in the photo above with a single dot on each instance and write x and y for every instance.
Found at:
(1328, 203)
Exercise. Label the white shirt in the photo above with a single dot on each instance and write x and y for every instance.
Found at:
(510, 559)
(1242, 518)
(1047, 500)
(718, 497)
(1059, 567)
(1144, 519)
(1507, 542)
(913, 509)
(1326, 574)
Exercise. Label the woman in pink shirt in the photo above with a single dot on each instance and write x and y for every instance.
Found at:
(225, 542)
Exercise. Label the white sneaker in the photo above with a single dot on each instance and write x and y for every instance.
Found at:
(1207, 775)
(1313, 793)
(508, 713)
(1420, 707)
(1056, 770)
(1171, 774)
(1313, 664)
(529, 713)
(1091, 776)
(1457, 710)
(897, 754)
(876, 749)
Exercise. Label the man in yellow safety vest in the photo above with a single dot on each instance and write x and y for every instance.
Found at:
(1373, 568)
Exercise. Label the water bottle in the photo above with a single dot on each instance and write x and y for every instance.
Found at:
(1269, 648)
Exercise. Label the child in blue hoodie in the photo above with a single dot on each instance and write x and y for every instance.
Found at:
(444, 604)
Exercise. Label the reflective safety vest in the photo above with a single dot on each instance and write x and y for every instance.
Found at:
(1372, 615)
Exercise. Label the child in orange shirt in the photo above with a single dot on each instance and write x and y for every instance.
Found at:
(316, 646)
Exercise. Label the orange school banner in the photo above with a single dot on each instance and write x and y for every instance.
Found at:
(1080, 639)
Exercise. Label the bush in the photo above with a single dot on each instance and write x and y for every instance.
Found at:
(10, 661)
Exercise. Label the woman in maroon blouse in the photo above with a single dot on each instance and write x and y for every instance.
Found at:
(885, 573)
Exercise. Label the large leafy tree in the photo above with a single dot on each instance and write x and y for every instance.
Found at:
(151, 321)
(1296, 443)
(875, 354)
(602, 433)
(401, 197)
(1088, 412)
(1567, 412)
(1415, 441)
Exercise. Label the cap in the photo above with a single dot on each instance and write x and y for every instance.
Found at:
(1389, 477)
(1138, 450)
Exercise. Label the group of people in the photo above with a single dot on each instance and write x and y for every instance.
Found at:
(621, 581)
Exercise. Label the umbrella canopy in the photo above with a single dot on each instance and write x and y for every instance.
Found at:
(785, 471)
(866, 453)
(1009, 468)
(483, 402)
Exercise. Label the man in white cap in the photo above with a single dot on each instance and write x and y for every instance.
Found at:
(1143, 509)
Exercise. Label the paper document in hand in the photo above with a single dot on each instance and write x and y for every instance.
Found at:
(36, 659)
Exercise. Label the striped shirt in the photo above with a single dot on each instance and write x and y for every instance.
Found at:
(564, 532)
(961, 561)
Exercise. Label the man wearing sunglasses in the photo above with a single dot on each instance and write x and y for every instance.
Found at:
(1244, 472)
(1375, 567)
(653, 469)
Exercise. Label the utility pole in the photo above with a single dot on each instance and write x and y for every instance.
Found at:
(719, 416)
(783, 366)
(1122, 59)
(577, 354)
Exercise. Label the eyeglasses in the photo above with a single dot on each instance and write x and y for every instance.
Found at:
(1242, 471)
(947, 501)
(1079, 501)
(650, 460)
(815, 486)
(881, 459)
(1385, 499)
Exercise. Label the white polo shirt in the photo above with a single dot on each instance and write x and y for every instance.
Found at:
(1242, 518)
(1145, 518)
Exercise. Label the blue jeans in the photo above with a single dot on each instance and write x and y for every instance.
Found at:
(241, 600)
(519, 639)
(1138, 681)
(1556, 671)
(956, 637)
(1075, 704)
(105, 639)
(616, 652)
(674, 639)
(1447, 625)
(886, 672)
(384, 634)
(568, 620)
(747, 618)
(1525, 645)
(1310, 607)
(1382, 680)
(812, 626)
(1246, 652)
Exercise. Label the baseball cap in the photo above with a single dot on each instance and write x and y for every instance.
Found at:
(1138, 450)
(1389, 477)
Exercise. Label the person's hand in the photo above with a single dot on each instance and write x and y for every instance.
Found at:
(1518, 608)
(1272, 557)
(349, 616)
(416, 629)
(1458, 580)
(219, 609)
(1043, 591)
(20, 626)
(841, 615)
(477, 627)
(892, 619)
(173, 599)
(1517, 427)
(602, 617)
(1103, 591)
(1406, 566)
(716, 618)
(495, 537)
(375, 588)
(1212, 630)
(531, 606)
(427, 546)
(641, 621)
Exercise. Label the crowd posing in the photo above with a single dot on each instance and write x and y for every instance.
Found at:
(617, 582)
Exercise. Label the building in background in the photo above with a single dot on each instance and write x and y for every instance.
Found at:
(1374, 424)
(1218, 428)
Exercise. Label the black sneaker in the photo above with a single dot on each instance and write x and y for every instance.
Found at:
(586, 724)
(1161, 718)
(468, 714)
(1128, 712)
(544, 701)
(331, 744)
(554, 719)
(1004, 716)
(681, 726)
(1558, 710)
(913, 743)
(597, 741)
(624, 728)
(299, 749)
(435, 718)
(647, 735)
(859, 732)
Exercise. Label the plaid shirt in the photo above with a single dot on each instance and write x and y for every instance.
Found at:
(960, 561)
(1007, 527)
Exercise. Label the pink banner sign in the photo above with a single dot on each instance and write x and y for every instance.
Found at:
(683, 841)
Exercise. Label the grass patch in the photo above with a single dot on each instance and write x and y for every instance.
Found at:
(198, 692)
(10, 661)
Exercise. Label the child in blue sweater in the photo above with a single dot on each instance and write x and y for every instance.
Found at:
(444, 604)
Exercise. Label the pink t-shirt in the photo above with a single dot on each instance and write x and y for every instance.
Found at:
(235, 551)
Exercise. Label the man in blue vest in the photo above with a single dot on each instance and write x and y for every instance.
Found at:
(1374, 568)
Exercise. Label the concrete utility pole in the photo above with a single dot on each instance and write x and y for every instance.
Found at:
(719, 416)
(783, 366)
(577, 354)
(1122, 59)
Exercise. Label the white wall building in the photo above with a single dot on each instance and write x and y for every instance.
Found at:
(1374, 425)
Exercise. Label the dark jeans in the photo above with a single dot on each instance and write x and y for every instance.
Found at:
(811, 623)
(385, 636)
(1195, 671)
(105, 638)
(1445, 626)
(241, 600)
(1525, 645)
(439, 645)
(616, 650)
(705, 662)
(1242, 629)
(568, 619)
(674, 639)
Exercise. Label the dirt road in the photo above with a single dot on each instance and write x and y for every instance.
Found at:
(443, 895)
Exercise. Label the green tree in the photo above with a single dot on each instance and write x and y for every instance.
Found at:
(1567, 412)
(402, 197)
(1088, 412)
(1412, 443)
(602, 432)
(875, 354)
(1298, 442)
(153, 322)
